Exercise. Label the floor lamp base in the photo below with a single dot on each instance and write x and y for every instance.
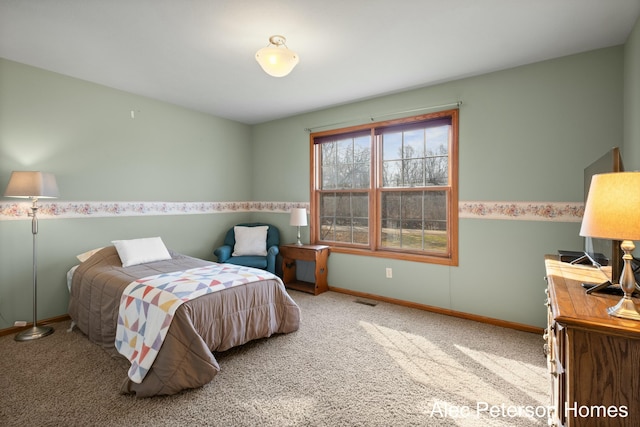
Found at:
(34, 333)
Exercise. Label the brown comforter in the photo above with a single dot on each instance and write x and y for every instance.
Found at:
(213, 322)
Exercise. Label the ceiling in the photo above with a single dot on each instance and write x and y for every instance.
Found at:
(200, 53)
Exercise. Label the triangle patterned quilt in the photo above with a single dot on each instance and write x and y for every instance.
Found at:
(147, 307)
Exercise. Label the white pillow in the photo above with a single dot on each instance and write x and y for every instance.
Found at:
(140, 251)
(250, 240)
(86, 255)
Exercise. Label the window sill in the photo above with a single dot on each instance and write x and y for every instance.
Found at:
(405, 256)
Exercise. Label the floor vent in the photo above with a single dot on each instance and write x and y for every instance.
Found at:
(369, 303)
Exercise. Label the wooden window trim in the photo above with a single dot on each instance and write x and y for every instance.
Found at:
(374, 249)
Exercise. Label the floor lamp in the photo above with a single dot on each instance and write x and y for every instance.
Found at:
(33, 185)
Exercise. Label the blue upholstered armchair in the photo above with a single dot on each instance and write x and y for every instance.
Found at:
(246, 257)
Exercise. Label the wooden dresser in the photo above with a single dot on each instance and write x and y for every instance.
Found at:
(593, 358)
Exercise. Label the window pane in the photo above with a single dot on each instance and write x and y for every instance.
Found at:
(361, 231)
(362, 148)
(329, 178)
(391, 207)
(437, 159)
(435, 210)
(413, 173)
(344, 217)
(360, 205)
(413, 144)
(327, 229)
(438, 139)
(344, 176)
(361, 177)
(328, 202)
(328, 151)
(436, 226)
(411, 205)
(436, 170)
(426, 157)
(415, 220)
(343, 205)
(391, 233)
(392, 174)
(343, 230)
(392, 147)
(346, 163)
(412, 236)
(362, 162)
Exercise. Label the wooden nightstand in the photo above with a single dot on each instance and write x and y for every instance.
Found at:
(316, 253)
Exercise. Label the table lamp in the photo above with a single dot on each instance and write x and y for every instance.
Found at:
(612, 211)
(298, 218)
(33, 185)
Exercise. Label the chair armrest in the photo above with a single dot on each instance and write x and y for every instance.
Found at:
(272, 253)
(223, 253)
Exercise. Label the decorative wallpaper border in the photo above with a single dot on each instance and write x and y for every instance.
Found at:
(524, 211)
(48, 210)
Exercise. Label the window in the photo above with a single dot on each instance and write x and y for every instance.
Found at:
(388, 189)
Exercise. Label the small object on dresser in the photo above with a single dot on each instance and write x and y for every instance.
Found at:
(575, 257)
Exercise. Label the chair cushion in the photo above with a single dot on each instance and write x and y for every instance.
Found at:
(249, 261)
(250, 241)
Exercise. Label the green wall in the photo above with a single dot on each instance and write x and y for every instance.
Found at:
(525, 135)
(85, 135)
(631, 148)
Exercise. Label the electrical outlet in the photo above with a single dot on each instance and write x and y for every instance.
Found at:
(20, 323)
(389, 273)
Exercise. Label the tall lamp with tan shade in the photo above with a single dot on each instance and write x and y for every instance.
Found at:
(34, 186)
(612, 211)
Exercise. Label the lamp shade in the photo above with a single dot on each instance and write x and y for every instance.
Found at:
(298, 217)
(276, 59)
(26, 184)
(612, 210)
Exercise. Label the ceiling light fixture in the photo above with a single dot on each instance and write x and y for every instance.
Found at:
(276, 59)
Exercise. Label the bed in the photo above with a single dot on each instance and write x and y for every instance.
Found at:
(213, 322)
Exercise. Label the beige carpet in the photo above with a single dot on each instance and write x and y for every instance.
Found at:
(350, 364)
